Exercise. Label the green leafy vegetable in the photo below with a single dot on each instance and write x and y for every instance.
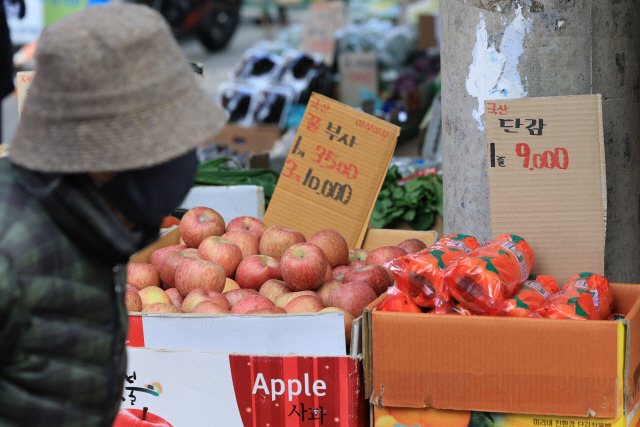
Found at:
(225, 171)
(417, 201)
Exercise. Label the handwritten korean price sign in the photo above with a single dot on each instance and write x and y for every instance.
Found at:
(319, 28)
(547, 179)
(334, 171)
(23, 82)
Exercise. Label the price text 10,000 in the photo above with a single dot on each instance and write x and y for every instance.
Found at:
(333, 190)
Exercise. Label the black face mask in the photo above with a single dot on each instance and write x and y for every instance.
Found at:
(146, 196)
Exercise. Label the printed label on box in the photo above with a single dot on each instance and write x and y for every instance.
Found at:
(135, 336)
(185, 388)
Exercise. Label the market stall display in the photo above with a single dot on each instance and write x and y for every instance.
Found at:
(304, 314)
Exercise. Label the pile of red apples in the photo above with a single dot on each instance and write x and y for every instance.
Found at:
(245, 267)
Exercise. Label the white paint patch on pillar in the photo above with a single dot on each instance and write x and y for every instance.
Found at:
(493, 73)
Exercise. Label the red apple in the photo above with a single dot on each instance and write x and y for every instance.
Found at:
(339, 271)
(153, 294)
(383, 254)
(375, 276)
(132, 286)
(143, 274)
(156, 255)
(251, 302)
(348, 320)
(353, 297)
(412, 245)
(276, 240)
(235, 295)
(357, 257)
(209, 307)
(325, 289)
(131, 417)
(198, 223)
(199, 295)
(222, 251)
(358, 264)
(170, 262)
(333, 244)
(132, 300)
(304, 304)
(161, 307)
(268, 310)
(247, 223)
(284, 299)
(254, 270)
(246, 241)
(329, 273)
(273, 289)
(199, 273)
(175, 296)
(304, 267)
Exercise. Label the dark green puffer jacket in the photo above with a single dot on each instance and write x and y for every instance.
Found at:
(62, 316)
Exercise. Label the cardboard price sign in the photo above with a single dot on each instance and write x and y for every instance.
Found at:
(547, 179)
(333, 172)
(318, 30)
(23, 82)
(359, 76)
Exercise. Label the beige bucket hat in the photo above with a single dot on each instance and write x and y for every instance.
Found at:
(112, 91)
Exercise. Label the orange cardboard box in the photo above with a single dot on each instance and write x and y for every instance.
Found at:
(547, 184)
(559, 373)
(514, 365)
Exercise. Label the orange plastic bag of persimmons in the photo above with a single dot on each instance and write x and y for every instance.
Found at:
(481, 280)
(584, 296)
(398, 301)
(419, 274)
(532, 296)
(451, 308)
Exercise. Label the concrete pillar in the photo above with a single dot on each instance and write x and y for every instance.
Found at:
(492, 49)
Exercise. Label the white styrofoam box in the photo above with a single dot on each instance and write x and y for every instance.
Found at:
(306, 334)
(229, 201)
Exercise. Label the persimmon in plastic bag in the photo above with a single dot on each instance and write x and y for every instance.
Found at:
(584, 296)
(419, 274)
(451, 308)
(533, 295)
(482, 279)
(398, 301)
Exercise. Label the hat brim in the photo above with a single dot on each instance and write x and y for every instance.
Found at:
(125, 141)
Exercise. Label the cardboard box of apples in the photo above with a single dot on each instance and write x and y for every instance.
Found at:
(259, 318)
